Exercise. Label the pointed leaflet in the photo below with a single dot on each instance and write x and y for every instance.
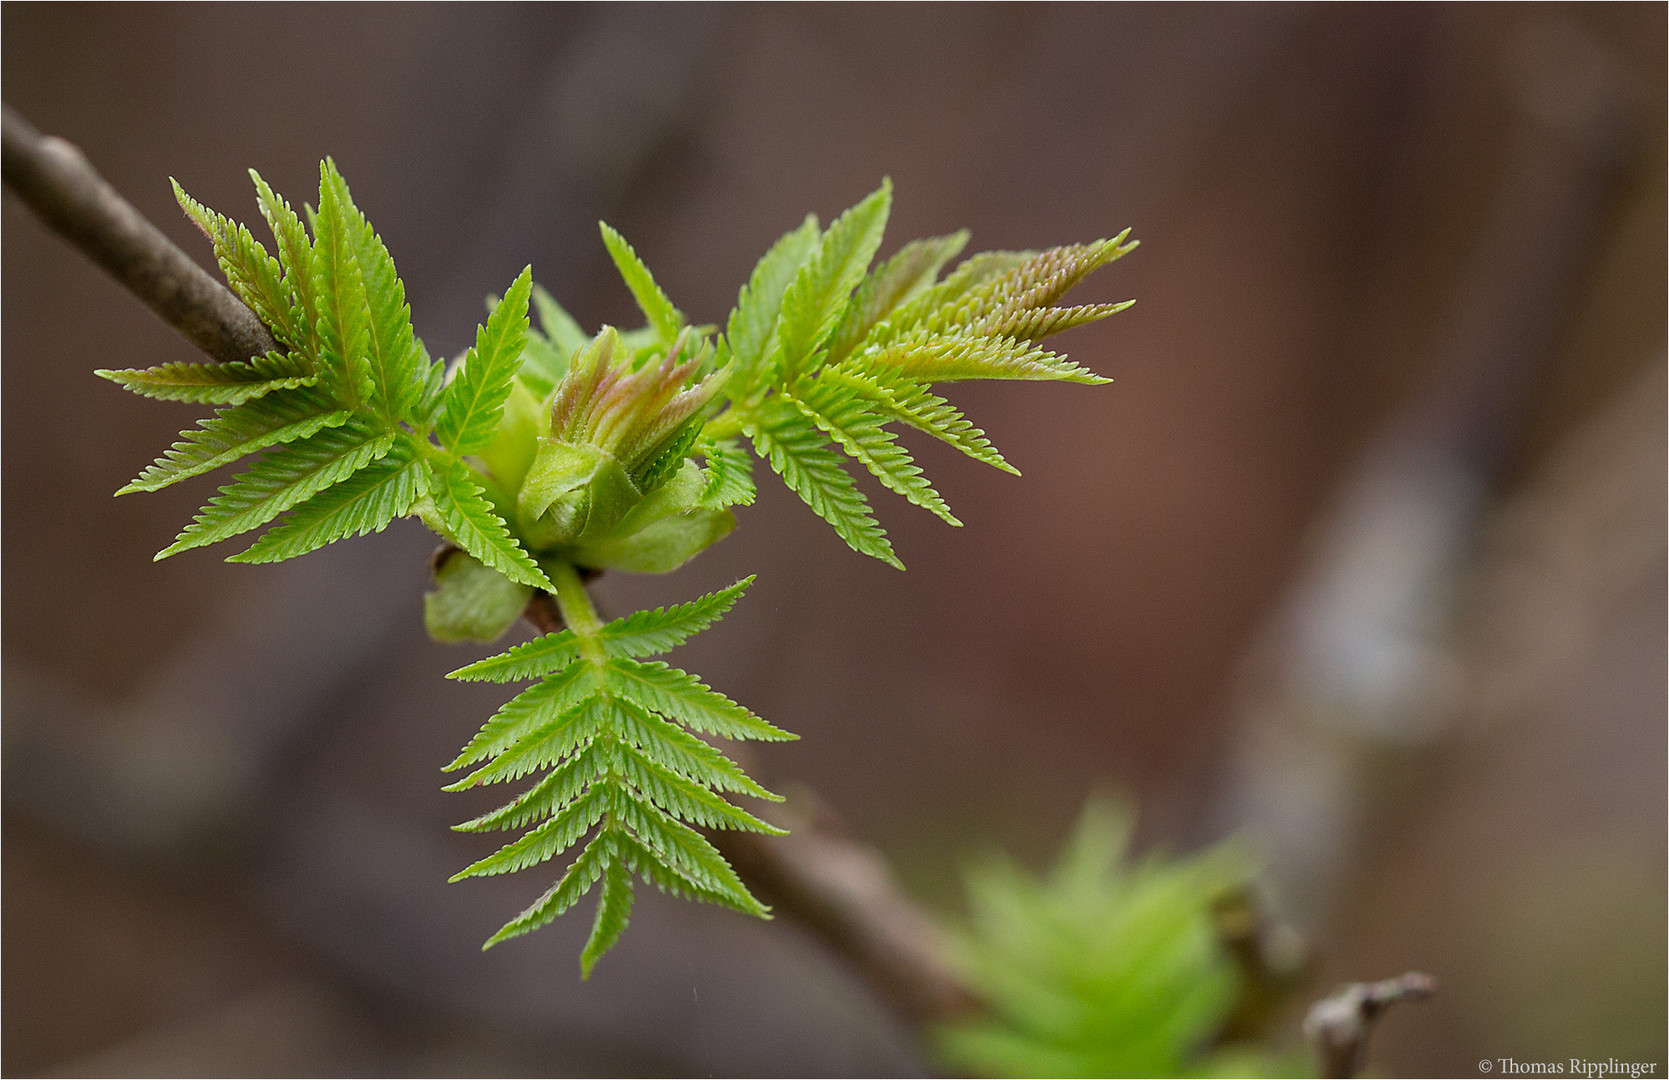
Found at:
(682, 752)
(561, 786)
(664, 318)
(899, 279)
(814, 303)
(214, 384)
(898, 398)
(473, 525)
(1032, 284)
(754, 319)
(930, 356)
(475, 397)
(614, 908)
(526, 712)
(847, 419)
(252, 273)
(688, 854)
(344, 327)
(654, 869)
(648, 633)
(799, 454)
(531, 660)
(393, 354)
(546, 840)
(365, 502)
(280, 417)
(681, 798)
(680, 695)
(971, 273)
(295, 254)
(280, 480)
(546, 744)
(575, 883)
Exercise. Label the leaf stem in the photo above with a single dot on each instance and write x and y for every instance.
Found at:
(576, 607)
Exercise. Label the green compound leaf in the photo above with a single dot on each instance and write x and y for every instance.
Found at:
(607, 727)
(363, 503)
(664, 318)
(800, 455)
(286, 476)
(229, 383)
(475, 397)
(473, 525)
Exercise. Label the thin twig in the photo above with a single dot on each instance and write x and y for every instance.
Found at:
(68, 194)
(1339, 1025)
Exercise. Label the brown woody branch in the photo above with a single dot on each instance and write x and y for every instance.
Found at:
(68, 194)
(839, 889)
(1339, 1025)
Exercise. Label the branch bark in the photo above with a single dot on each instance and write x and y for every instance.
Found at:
(56, 181)
(1339, 1025)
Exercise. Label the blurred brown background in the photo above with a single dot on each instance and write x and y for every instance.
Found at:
(224, 844)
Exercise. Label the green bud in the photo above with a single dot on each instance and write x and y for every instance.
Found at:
(471, 601)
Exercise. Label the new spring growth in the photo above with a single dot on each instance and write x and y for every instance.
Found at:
(615, 460)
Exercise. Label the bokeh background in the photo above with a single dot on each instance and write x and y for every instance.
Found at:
(1389, 253)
